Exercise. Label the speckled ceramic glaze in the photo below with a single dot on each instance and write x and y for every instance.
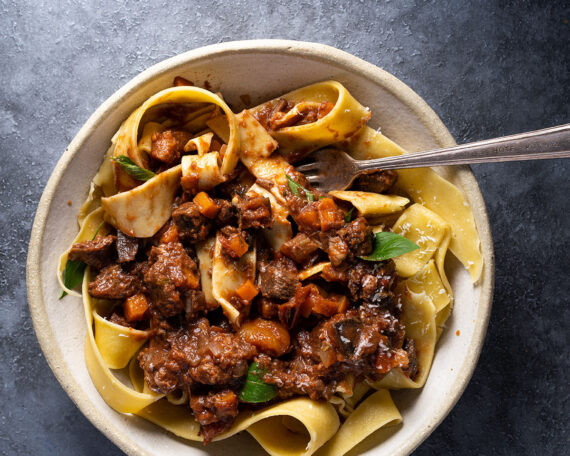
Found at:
(260, 69)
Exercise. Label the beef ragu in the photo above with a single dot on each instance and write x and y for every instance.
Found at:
(304, 305)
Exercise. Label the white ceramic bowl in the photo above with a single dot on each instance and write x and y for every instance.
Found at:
(261, 69)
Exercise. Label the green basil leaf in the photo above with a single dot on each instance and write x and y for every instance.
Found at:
(296, 189)
(72, 274)
(76, 269)
(348, 216)
(389, 245)
(132, 169)
(255, 389)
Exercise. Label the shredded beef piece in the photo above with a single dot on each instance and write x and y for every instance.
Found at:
(226, 214)
(254, 212)
(378, 181)
(168, 145)
(192, 225)
(113, 283)
(194, 303)
(300, 248)
(171, 273)
(372, 282)
(360, 341)
(153, 360)
(358, 237)
(337, 249)
(127, 247)
(199, 354)
(278, 279)
(215, 408)
(97, 253)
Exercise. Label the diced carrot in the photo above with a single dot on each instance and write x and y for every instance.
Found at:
(238, 245)
(309, 217)
(330, 216)
(135, 307)
(206, 205)
(170, 235)
(247, 291)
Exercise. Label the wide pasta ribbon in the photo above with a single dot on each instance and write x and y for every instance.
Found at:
(426, 187)
(418, 315)
(127, 136)
(346, 117)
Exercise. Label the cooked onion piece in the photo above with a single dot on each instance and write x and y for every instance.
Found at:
(346, 117)
(228, 275)
(313, 270)
(372, 204)
(142, 211)
(426, 187)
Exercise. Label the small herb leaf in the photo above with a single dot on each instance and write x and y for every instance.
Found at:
(72, 274)
(255, 389)
(348, 216)
(296, 189)
(132, 169)
(389, 245)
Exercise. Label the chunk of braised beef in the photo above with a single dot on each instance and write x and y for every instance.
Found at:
(358, 237)
(278, 279)
(254, 212)
(191, 224)
(300, 248)
(97, 253)
(119, 319)
(335, 274)
(378, 181)
(199, 354)
(227, 214)
(372, 282)
(113, 282)
(194, 303)
(127, 247)
(336, 248)
(217, 408)
(171, 273)
(168, 146)
(153, 360)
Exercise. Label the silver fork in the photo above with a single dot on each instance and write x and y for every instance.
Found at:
(333, 169)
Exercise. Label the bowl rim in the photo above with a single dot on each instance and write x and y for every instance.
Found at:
(314, 51)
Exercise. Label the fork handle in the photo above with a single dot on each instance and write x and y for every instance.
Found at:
(551, 142)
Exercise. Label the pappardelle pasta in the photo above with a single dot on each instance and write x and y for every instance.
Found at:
(235, 296)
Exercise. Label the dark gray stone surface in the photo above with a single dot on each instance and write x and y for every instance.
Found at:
(488, 68)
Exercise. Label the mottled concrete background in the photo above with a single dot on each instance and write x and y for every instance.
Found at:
(488, 68)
